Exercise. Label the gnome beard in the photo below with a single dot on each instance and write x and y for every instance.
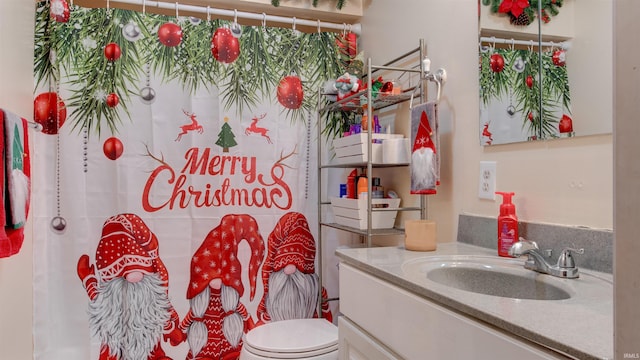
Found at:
(423, 175)
(129, 317)
(226, 301)
(293, 296)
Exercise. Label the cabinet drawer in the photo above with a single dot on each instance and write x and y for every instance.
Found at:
(357, 345)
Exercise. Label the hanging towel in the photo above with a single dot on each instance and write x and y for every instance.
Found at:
(15, 165)
(425, 156)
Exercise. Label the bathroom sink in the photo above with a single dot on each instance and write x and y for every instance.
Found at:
(488, 276)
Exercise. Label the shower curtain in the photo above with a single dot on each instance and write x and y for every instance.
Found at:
(174, 176)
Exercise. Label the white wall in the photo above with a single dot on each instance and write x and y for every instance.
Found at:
(561, 182)
(16, 95)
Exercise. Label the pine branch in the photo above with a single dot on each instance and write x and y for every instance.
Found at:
(255, 46)
(93, 76)
(195, 65)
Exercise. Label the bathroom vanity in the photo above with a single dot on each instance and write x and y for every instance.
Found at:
(399, 304)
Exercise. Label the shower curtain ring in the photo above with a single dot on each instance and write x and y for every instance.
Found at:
(264, 20)
(144, 7)
(294, 24)
(176, 10)
(318, 26)
(344, 29)
(513, 44)
(235, 16)
(208, 13)
(107, 5)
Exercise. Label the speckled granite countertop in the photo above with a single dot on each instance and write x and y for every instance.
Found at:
(581, 326)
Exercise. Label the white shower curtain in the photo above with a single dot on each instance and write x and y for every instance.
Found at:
(155, 145)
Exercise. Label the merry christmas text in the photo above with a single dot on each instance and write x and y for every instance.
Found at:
(256, 190)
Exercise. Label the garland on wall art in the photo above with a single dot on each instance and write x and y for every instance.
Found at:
(523, 12)
(106, 52)
(514, 74)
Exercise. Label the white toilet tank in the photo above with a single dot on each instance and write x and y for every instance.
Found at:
(313, 339)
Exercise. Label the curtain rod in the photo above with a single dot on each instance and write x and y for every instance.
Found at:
(564, 45)
(355, 28)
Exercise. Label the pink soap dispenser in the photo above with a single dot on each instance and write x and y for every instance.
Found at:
(507, 224)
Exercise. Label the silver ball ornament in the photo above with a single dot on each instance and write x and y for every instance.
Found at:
(511, 110)
(518, 65)
(58, 224)
(236, 30)
(131, 31)
(147, 95)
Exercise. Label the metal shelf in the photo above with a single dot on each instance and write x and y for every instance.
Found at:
(362, 165)
(381, 101)
(365, 232)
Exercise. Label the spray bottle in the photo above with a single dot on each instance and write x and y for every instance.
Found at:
(507, 224)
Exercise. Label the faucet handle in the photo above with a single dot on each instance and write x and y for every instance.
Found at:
(566, 258)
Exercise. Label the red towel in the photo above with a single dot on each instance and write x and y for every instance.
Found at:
(11, 234)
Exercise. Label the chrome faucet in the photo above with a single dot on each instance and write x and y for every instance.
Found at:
(565, 268)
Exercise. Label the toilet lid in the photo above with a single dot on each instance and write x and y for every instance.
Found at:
(290, 337)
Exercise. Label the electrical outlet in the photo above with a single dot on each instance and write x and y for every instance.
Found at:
(487, 184)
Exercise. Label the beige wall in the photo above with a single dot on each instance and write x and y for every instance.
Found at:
(16, 95)
(560, 182)
(627, 177)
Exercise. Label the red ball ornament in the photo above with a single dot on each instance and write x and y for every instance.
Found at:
(224, 46)
(59, 10)
(529, 81)
(565, 125)
(112, 148)
(112, 52)
(290, 92)
(496, 62)
(530, 116)
(47, 108)
(558, 58)
(112, 100)
(170, 34)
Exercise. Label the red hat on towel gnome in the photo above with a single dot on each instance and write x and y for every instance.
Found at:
(129, 311)
(217, 319)
(290, 281)
(424, 162)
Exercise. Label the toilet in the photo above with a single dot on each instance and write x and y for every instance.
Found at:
(312, 339)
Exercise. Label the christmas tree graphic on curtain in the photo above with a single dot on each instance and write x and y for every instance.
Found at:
(174, 165)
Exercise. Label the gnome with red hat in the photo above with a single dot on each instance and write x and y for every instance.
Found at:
(217, 319)
(129, 311)
(290, 281)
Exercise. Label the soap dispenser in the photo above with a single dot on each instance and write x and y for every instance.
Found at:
(507, 224)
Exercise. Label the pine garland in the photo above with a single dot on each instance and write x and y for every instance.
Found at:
(528, 15)
(76, 49)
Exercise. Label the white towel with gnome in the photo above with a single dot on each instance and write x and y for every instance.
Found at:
(425, 158)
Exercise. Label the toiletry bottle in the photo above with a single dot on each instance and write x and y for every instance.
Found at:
(507, 224)
(351, 184)
(365, 118)
(363, 187)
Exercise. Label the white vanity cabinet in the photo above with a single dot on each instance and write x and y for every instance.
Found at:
(382, 321)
